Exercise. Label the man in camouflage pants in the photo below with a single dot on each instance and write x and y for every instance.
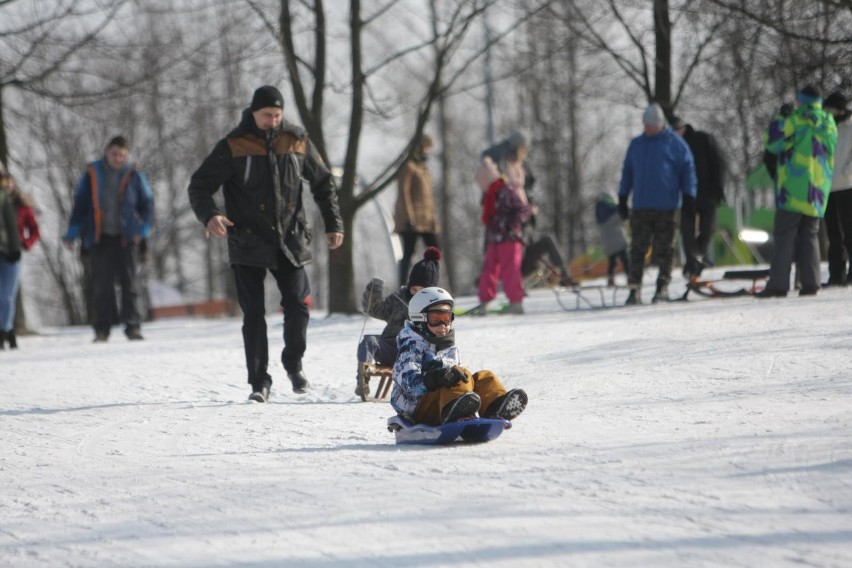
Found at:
(660, 173)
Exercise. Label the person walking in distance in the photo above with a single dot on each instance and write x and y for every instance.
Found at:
(414, 214)
(10, 268)
(113, 211)
(838, 212)
(659, 172)
(710, 168)
(262, 167)
(804, 144)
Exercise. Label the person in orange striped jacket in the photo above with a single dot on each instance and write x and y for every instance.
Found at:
(112, 215)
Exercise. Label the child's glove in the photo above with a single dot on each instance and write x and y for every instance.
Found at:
(440, 376)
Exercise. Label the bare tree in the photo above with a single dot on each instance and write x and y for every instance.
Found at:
(445, 43)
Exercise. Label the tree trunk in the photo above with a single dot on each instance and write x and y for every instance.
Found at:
(663, 61)
(341, 276)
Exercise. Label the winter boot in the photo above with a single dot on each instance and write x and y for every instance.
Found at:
(508, 406)
(133, 334)
(465, 406)
(260, 393)
(634, 298)
(13, 341)
(3, 340)
(366, 390)
(662, 293)
(300, 382)
(515, 308)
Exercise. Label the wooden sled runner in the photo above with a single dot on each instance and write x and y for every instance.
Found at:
(384, 374)
(711, 289)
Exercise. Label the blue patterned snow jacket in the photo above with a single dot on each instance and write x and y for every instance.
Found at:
(415, 351)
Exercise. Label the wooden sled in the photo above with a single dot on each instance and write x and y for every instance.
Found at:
(367, 371)
(711, 289)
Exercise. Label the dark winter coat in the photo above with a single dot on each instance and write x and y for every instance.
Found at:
(10, 243)
(262, 175)
(392, 309)
(710, 166)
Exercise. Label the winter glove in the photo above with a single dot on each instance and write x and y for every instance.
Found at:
(786, 109)
(688, 207)
(437, 375)
(623, 210)
(13, 256)
(376, 284)
(456, 375)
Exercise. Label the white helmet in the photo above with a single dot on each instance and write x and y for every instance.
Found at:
(425, 299)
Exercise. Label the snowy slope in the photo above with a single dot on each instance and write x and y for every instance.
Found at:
(707, 433)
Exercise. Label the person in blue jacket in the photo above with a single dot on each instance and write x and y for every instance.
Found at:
(659, 174)
(112, 214)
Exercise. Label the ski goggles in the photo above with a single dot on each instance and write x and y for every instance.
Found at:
(436, 318)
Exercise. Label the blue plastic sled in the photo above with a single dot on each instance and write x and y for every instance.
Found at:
(472, 431)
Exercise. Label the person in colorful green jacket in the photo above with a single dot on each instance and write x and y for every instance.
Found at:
(804, 144)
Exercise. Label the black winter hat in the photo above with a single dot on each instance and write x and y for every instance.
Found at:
(426, 272)
(835, 100)
(267, 96)
(809, 94)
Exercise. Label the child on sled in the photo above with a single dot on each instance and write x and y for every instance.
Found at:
(430, 385)
(393, 309)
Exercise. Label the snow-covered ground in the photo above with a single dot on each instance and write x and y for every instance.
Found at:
(706, 433)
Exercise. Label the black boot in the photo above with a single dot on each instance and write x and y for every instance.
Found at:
(508, 406)
(634, 298)
(260, 393)
(300, 382)
(465, 406)
(662, 293)
(13, 341)
(2, 340)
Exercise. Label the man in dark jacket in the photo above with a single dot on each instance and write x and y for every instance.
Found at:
(710, 175)
(262, 165)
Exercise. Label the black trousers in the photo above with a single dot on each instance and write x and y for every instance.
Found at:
(113, 260)
(838, 225)
(706, 228)
(293, 284)
(545, 246)
(409, 240)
